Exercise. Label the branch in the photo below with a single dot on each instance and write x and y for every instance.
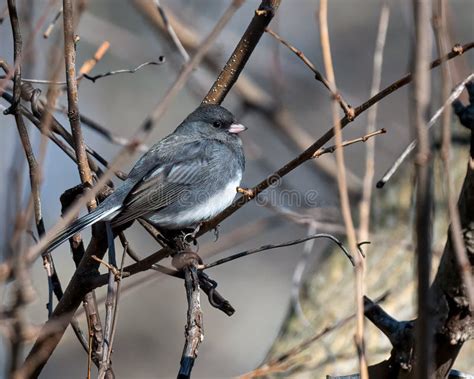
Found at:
(241, 54)
(420, 97)
(170, 30)
(365, 202)
(343, 194)
(440, 26)
(89, 64)
(89, 301)
(72, 97)
(50, 27)
(160, 61)
(187, 70)
(93, 78)
(331, 149)
(207, 284)
(348, 111)
(194, 331)
(284, 244)
(457, 91)
(399, 333)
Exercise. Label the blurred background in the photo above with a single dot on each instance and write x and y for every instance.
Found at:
(152, 314)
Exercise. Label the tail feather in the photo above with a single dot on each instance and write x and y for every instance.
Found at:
(80, 224)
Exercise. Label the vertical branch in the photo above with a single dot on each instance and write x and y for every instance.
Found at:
(241, 54)
(423, 223)
(16, 340)
(110, 301)
(85, 174)
(365, 203)
(456, 235)
(17, 43)
(344, 197)
(194, 326)
(72, 97)
(117, 299)
(89, 301)
(54, 285)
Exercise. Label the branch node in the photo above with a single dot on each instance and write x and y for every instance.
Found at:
(458, 49)
(249, 193)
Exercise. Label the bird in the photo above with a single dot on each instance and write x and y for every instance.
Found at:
(186, 178)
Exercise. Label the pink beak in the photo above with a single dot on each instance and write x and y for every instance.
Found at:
(237, 128)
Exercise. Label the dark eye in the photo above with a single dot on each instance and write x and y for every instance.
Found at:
(217, 124)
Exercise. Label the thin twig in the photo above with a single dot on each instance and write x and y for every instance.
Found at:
(89, 301)
(110, 303)
(365, 202)
(298, 276)
(117, 301)
(457, 91)
(160, 61)
(28, 45)
(60, 130)
(85, 173)
(89, 64)
(348, 111)
(108, 135)
(50, 27)
(19, 267)
(331, 149)
(344, 197)
(93, 78)
(455, 233)
(424, 189)
(275, 246)
(169, 28)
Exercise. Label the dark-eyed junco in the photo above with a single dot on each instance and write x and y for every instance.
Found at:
(186, 178)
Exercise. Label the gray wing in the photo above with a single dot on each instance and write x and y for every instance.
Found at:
(167, 182)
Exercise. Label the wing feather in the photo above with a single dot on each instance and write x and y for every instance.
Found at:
(165, 185)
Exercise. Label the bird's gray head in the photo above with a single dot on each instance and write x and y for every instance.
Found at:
(209, 119)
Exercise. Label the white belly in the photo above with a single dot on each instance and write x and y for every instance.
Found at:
(204, 210)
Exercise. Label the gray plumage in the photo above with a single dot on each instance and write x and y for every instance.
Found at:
(186, 178)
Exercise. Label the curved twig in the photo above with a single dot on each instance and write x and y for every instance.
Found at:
(284, 244)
